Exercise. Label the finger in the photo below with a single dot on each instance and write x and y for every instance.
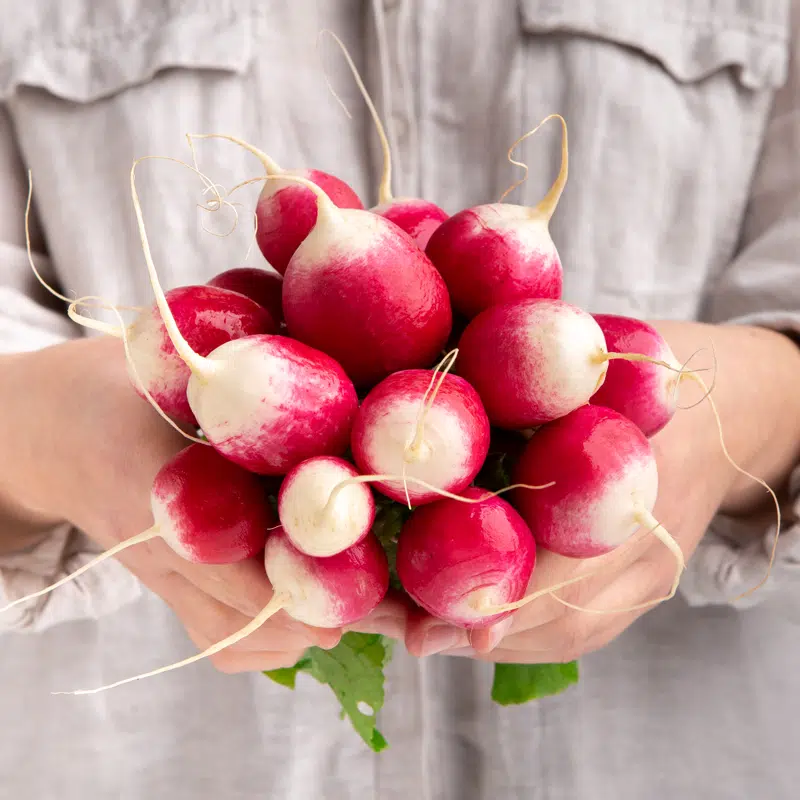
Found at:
(231, 662)
(426, 635)
(389, 618)
(484, 640)
(208, 621)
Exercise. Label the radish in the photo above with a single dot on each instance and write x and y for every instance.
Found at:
(403, 428)
(533, 361)
(286, 210)
(261, 285)
(641, 391)
(499, 252)
(605, 483)
(265, 402)
(319, 519)
(360, 290)
(208, 510)
(207, 316)
(321, 592)
(456, 560)
(418, 218)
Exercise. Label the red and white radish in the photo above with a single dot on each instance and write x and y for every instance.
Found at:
(360, 290)
(417, 217)
(263, 286)
(287, 210)
(406, 426)
(265, 402)
(533, 361)
(500, 252)
(207, 509)
(457, 559)
(319, 519)
(322, 592)
(643, 392)
(207, 316)
(605, 482)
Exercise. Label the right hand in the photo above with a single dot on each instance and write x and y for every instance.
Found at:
(85, 448)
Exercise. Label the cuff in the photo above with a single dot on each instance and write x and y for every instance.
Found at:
(100, 591)
(721, 569)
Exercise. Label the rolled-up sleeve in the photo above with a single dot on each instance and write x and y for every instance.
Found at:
(761, 286)
(29, 322)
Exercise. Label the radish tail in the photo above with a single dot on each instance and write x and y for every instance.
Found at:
(278, 602)
(146, 536)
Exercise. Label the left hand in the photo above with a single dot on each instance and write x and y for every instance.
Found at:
(694, 481)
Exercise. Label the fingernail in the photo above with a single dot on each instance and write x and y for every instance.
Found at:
(499, 632)
(438, 638)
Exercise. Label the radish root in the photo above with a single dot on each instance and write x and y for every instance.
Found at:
(547, 206)
(278, 602)
(103, 303)
(145, 536)
(385, 187)
(742, 471)
(418, 481)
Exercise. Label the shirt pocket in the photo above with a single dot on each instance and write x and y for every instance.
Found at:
(83, 51)
(667, 102)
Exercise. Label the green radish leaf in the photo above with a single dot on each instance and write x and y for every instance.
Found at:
(519, 683)
(389, 520)
(354, 670)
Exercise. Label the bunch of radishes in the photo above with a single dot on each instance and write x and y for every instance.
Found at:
(340, 375)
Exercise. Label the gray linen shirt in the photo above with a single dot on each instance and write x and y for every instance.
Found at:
(683, 202)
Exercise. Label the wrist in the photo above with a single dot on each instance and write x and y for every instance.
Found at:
(757, 393)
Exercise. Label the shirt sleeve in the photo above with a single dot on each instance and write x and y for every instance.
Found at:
(761, 286)
(29, 322)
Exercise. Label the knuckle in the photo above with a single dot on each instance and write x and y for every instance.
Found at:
(227, 663)
(575, 636)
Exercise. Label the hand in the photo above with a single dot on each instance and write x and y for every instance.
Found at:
(87, 450)
(756, 394)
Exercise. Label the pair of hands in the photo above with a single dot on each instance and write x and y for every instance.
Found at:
(123, 443)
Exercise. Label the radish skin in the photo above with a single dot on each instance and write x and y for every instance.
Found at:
(456, 559)
(318, 523)
(445, 446)
(499, 252)
(263, 286)
(208, 510)
(322, 592)
(643, 392)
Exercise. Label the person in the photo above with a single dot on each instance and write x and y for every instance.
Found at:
(682, 207)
